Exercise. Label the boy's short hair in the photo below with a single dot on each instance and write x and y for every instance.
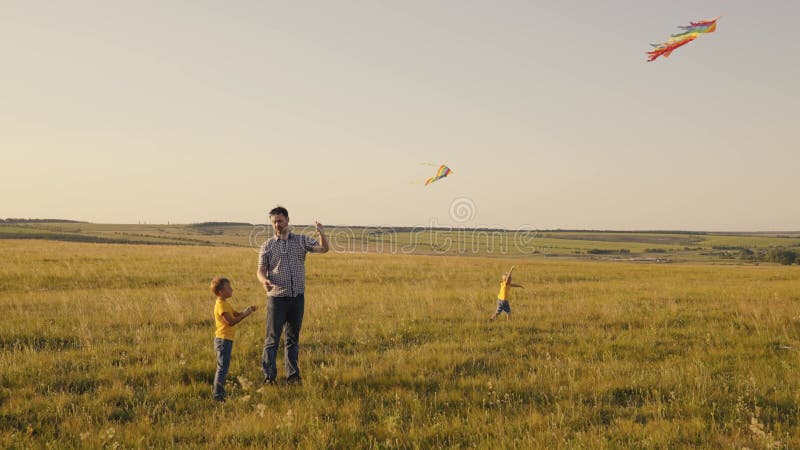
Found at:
(218, 283)
(279, 210)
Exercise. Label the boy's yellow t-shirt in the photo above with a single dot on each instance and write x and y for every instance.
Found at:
(503, 295)
(223, 330)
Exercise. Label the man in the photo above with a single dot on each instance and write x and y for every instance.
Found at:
(282, 272)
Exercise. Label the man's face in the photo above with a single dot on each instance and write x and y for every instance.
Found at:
(279, 223)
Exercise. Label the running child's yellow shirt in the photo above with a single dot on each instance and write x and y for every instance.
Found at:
(223, 330)
(504, 289)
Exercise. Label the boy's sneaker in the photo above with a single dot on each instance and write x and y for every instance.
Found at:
(270, 381)
(294, 379)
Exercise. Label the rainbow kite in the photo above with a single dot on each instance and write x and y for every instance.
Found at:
(441, 173)
(689, 34)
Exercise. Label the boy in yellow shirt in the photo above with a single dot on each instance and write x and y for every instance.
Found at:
(503, 295)
(225, 317)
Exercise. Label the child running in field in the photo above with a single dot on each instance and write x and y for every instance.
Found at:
(503, 295)
(225, 317)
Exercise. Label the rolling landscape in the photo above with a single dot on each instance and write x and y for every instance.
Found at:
(108, 333)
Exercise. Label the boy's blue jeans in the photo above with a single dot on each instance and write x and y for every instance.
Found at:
(502, 305)
(224, 349)
(288, 312)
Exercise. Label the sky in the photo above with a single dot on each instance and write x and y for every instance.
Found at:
(546, 111)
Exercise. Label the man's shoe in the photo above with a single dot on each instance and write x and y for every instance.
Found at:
(294, 379)
(270, 381)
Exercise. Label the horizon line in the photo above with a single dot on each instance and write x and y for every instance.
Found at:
(13, 220)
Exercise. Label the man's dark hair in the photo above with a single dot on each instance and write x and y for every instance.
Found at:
(279, 210)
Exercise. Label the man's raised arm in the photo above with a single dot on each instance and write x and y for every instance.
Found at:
(323, 245)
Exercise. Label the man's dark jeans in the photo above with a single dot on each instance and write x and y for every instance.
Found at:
(282, 311)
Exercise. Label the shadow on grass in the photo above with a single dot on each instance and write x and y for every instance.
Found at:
(189, 375)
(72, 384)
(39, 342)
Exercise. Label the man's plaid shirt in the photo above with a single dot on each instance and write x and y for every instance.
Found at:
(284, 261)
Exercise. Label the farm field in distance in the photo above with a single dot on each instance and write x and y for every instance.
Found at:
(677, 246)
(109, 345)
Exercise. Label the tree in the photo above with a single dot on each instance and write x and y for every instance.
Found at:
(783, 256)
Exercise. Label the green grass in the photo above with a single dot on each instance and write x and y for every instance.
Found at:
(111, 346)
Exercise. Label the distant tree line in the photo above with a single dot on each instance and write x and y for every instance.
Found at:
(602, 251)
(778, 255)
(782, 256)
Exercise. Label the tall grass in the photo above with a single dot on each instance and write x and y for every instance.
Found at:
(111, 346)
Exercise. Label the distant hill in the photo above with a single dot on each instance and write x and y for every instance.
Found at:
(221, 224)
(16, 220)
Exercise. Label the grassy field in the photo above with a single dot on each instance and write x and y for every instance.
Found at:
(110, 346)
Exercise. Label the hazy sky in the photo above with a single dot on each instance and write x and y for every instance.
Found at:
(546, 111)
